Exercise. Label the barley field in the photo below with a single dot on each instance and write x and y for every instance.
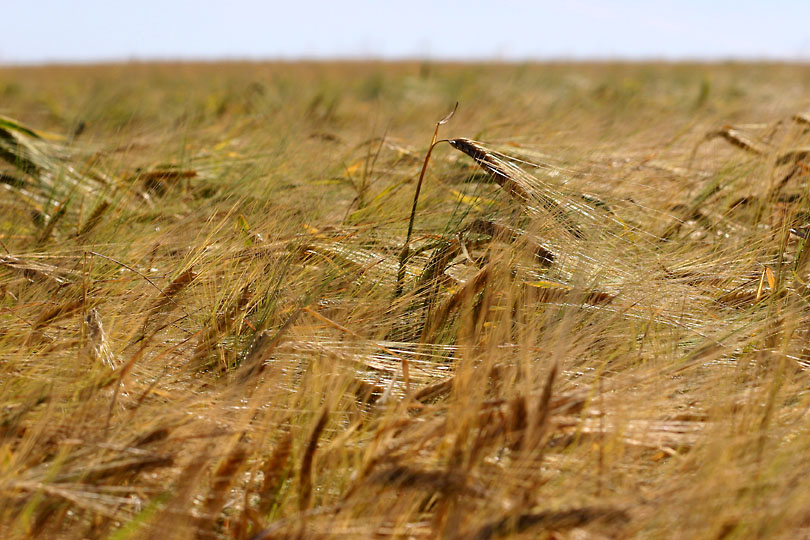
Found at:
(253, 301)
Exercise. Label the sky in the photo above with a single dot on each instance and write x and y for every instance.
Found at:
(70, 31)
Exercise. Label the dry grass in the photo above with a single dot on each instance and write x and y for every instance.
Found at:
(598, 327)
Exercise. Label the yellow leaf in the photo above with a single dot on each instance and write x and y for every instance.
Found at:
(543, 284)
(353, 168)
(470, 200)
(761, 284)
(243, 223)
(771, 278)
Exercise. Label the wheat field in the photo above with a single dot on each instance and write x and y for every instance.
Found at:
(226, 313)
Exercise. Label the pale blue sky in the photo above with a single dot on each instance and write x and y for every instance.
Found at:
(99, 30)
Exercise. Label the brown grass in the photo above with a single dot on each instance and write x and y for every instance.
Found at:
(250, 301)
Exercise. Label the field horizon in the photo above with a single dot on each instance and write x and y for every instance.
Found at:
(253, 300)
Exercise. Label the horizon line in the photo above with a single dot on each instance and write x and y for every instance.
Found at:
(369, 59)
